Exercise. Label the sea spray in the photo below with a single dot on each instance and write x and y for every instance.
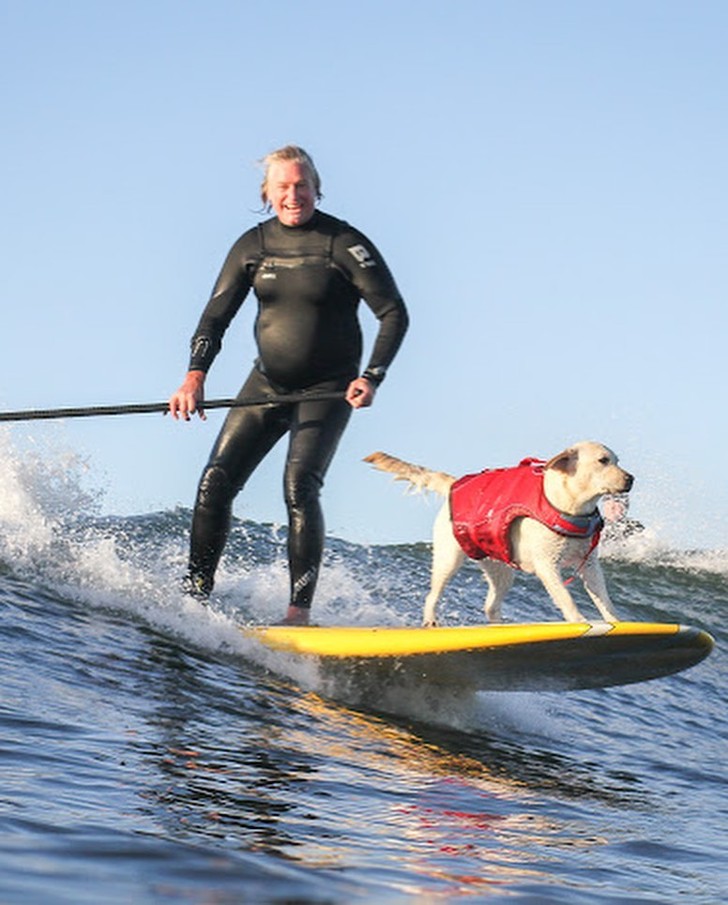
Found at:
(51, 529)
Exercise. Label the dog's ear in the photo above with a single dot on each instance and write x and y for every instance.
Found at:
(565, 461)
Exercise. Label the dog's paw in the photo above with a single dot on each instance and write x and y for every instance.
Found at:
(429, 623)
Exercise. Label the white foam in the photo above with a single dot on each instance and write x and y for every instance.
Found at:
(50, 530)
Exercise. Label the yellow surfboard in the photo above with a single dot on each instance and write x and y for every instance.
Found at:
(541, 656)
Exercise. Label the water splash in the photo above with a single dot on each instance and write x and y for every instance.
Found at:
(39, 495)
(51, 532)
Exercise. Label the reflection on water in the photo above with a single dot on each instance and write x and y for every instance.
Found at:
(275, 770)
(144, 743)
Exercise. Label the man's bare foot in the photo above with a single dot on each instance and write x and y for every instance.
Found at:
(296, 615)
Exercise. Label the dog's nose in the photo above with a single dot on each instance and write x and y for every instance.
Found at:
(628, 481)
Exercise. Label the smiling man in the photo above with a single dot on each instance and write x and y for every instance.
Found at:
(291, 189)
(309, 272)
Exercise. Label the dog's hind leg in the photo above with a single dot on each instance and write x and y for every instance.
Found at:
(447, 557)
(500, 579)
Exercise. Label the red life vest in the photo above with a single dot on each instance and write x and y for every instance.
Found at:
(484, 505)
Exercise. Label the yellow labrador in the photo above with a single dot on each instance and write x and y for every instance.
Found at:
(554, 524)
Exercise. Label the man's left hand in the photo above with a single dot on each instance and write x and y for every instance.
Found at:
(360, 393)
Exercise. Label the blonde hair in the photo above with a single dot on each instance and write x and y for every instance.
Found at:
(289, 154)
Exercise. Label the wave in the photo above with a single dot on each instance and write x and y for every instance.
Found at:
(51, 526)
(54, 536)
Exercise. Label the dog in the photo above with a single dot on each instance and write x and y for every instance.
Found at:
(561, 531)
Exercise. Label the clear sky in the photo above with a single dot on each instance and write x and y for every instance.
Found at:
(547, 181)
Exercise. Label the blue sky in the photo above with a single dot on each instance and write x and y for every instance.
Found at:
(547, 181)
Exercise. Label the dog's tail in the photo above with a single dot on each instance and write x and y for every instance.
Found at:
(420, 478)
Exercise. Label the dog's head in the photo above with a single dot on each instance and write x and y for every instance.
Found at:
(576, 478)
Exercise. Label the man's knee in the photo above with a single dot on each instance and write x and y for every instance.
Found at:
(215, 489)
(302, 490)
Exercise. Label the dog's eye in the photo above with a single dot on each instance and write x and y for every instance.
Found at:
(605, 460)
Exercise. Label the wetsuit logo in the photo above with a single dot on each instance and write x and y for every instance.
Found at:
(362, 255)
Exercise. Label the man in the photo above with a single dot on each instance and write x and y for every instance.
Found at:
(309, 271)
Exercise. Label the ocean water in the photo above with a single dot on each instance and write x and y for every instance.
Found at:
(150, 753)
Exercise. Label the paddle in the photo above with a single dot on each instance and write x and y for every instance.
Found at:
(144, 407)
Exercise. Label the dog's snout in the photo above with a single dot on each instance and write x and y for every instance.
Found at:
(628, 481)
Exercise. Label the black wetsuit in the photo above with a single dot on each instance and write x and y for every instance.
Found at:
(308, 280)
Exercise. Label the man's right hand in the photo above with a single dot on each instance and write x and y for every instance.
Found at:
(190, 397)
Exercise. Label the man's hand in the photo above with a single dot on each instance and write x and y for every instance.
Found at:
(190, 397)
(360, 393)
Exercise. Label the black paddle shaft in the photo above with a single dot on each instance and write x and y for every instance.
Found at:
(163, 407)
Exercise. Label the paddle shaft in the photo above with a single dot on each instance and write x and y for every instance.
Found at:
(145, 407)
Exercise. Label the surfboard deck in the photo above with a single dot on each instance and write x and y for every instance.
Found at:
(543, 656)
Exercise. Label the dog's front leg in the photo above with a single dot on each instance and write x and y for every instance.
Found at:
(557, 590)
(596, 587)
